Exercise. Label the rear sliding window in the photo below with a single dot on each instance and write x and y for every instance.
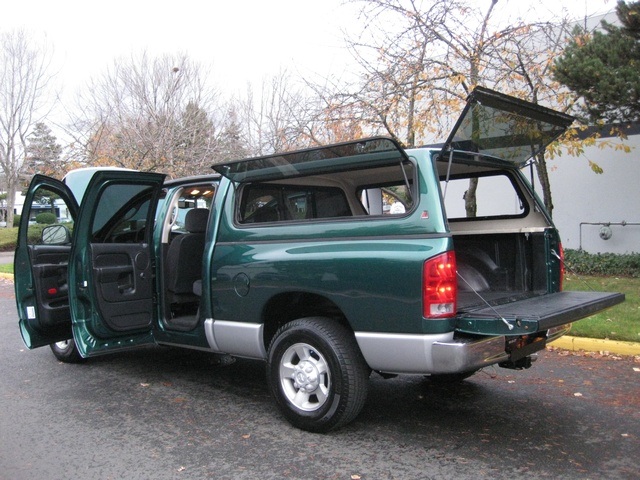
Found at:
(279, 203)
(496, 197)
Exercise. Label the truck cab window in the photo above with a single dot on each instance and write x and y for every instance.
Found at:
(46, 209)
(118, 221)
(277, 203)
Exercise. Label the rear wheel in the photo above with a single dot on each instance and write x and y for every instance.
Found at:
(66, 351)
(317, 374)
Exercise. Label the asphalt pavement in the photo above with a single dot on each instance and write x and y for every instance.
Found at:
(6, 257)
(166, 413)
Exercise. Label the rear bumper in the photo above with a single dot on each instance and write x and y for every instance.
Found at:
(442, 353)
(466, 356)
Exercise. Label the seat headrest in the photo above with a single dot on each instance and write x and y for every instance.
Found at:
(196, 220)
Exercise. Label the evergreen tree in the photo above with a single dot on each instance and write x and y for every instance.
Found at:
(43, 152)
(603, 67)
(231, 144)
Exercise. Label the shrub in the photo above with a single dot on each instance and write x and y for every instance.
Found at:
(34, 234)
(603, 264)
(16, 220)
(46, 218)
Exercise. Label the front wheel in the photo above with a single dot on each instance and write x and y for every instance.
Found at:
(66, 351)
(317, 374)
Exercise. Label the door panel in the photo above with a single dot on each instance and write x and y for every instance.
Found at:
(124, 285)
(49, 266)
(41, 263)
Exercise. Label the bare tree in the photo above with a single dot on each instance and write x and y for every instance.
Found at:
(278, 116)
(524, 70)
(233, 144)
(152, 114)
(418, 59)
(24, 80)
(421, 59)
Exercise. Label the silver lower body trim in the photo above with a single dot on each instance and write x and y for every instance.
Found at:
(235, 338)
(399, 352)
(429, 354)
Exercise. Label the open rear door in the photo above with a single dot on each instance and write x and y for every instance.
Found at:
(41, 260)
(111, 272)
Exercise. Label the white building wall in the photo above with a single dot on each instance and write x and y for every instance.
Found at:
(18, 203)
(581, 196)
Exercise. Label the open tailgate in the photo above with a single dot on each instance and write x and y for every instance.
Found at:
(536, 313)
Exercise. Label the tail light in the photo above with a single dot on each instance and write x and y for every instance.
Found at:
(439, 286)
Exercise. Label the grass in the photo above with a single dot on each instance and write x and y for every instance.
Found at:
(621, 322)
(8, 268)
(8, 238)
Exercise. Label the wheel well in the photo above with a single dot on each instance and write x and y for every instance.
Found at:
(286, 307)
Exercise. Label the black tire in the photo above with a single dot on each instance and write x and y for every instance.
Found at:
(317, 374)
(450, 378)
(66, 351)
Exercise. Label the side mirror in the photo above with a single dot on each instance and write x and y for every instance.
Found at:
(56, 235)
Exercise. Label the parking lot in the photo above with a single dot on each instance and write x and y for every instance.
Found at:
(168, 413)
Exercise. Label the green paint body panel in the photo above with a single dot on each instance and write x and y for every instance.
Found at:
(371, 269)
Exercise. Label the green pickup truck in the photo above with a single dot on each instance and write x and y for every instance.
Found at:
(328, 263)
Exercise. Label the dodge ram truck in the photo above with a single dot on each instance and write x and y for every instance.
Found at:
(328, 263)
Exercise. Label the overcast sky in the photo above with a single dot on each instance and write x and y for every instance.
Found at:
(240, 40)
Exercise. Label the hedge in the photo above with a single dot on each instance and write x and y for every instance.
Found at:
(46, 218)
(603, 264)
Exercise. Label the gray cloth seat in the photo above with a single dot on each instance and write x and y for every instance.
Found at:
(184, 257)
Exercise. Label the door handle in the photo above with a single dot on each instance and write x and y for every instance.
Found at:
(113, 274)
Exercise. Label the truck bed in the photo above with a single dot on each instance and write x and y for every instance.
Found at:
(500, 268)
